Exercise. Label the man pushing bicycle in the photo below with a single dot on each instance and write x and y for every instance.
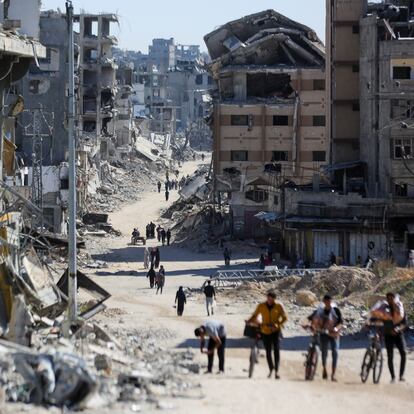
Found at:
(273, 317)
(327, 320)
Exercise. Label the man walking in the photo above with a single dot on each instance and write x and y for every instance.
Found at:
(273, 318)
(159, 186)
(210, 293)
(151, 276)
(167, 195)
(391, 312)
(180, 301)
(168, 237)
(159, 233)
(160, 280)
(227, 256)
(216, 332)
(163, 236)
(327, 320)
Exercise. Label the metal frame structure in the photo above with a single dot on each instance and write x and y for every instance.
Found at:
(231, 278)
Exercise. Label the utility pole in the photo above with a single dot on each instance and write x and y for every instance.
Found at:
(72, 280)
(37, 171)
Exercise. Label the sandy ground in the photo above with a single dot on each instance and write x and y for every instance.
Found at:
(233, 392)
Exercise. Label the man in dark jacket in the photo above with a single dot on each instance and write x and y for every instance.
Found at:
(210, 294)
(163, 236)
(151, 275)
(168, 237)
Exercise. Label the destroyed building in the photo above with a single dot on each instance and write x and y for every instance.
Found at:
(189, 86)
(270, 113)
(19, 47)
(361, 206)
(97, 80)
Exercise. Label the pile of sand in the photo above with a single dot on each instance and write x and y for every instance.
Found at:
(343, 281)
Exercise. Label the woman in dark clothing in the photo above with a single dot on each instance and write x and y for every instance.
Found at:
(151, 275)
(180, 301)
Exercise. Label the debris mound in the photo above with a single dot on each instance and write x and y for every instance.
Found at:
(343, 281)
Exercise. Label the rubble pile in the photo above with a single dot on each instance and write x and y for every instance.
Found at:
(124, 183)
(198, 224)
(94, 370)
(343, 281)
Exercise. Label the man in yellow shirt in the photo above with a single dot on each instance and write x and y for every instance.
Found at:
(273, 317)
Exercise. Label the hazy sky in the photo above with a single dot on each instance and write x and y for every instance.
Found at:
(189, 20)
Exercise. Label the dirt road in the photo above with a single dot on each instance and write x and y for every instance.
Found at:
(233, 392)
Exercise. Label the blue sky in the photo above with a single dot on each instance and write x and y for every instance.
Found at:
(189, 20)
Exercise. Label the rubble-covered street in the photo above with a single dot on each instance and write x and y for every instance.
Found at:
(218, 227)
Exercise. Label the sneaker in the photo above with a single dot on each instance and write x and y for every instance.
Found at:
(333, 379)
(208, 372)
(392, 381)
(277, 376)
(220, 373)
(402, 379)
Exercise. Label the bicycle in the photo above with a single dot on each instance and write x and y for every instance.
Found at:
(373, 358)
(312, 356)
(252, 331)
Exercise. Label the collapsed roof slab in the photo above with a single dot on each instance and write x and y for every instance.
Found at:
(247, 27)
(273, 50)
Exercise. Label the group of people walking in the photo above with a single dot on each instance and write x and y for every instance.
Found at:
(152, 259)
(163, 236)
(150, 230)
(326, 320)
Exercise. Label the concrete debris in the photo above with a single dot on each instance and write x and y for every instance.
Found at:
(139, 371)
(306, 298)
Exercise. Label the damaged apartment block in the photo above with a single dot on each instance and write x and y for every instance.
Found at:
(361, 205)
(97, 79)
(270, 112)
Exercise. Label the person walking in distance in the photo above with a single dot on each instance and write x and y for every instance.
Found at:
(159, 186)
(180, 301)
(273, 318)
(157, 257)
(391, 312)
(327, 320)
(160, 280)
(227, 256)
(210, 294)
(168, 237)
(216, 332)
(151, 275)
(159, 228)
(146, 258)
(163, 236)
(167, 195)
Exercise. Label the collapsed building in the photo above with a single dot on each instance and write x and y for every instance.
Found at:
(104, 114)
(359, 206)
(269, 121)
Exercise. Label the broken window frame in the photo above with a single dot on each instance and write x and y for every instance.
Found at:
(280, 120)
(402, 143)
(239, 120)
(400, 72)
(257, 195)
(319, 120)
(280, 156)
(319, 156)
(401, 190)
(239, 156)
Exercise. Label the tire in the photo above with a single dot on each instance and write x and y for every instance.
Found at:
(366, 365)
(311, 364)
(377, 365)
(252, 360)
